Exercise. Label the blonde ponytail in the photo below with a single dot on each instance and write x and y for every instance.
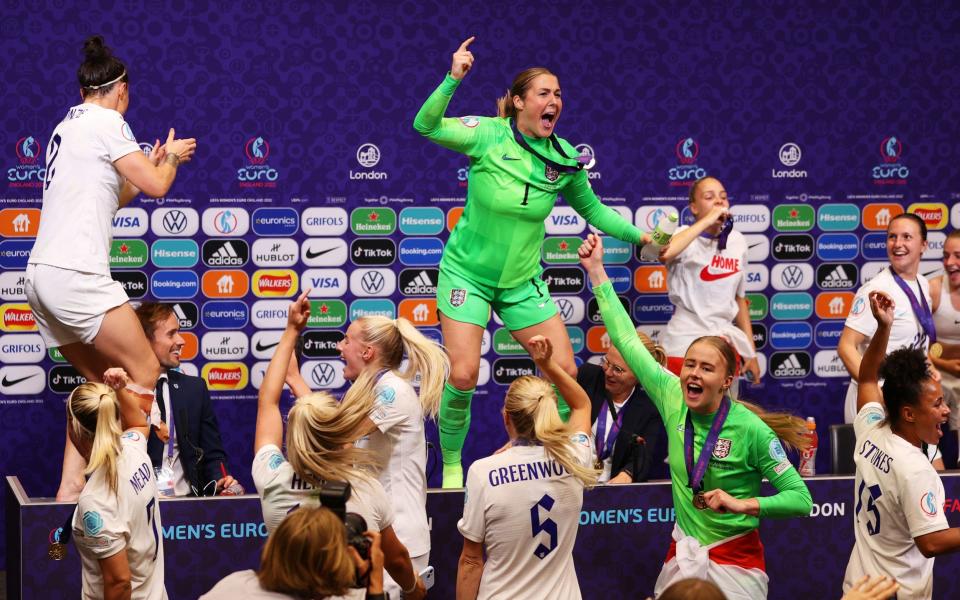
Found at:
(394, 338)
(531, 405)
(94, 412)
(789, 428)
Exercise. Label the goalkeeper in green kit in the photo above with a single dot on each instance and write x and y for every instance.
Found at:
(518, 166)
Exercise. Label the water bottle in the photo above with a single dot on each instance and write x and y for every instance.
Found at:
(659, 237)
(808, 457)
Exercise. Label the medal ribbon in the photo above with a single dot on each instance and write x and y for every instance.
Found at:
(695, 474)
(604, 445)
(582, 160)
(920, 308)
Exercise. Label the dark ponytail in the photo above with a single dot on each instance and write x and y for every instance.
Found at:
(100, 69)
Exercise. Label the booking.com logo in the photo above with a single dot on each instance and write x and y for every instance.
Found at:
(257, 150)
(28, 150)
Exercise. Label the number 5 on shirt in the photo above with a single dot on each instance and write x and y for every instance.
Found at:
(547, 525)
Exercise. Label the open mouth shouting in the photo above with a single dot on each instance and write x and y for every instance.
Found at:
(548, 118)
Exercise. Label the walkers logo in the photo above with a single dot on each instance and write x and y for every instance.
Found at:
(168, 285)
(759, 335)
(368, 307)
(750, 218)
(225, 253)
(368, 156)
(257, 173)
(62, 379)
(225, 345)
(225, 284)
(506, 370)
(30, 172)
(791, 306)
(225, 376)
(373, 221)
(504, 344)
(419, 282)
(793, 217)
(16, 380)
(323, 252)
(325, 283)
(873, 246)
(19, 222)
(275, 252)
(834, 305)
(135, 283)
(373, 251)
(326, 313)
(21, 348)
(264, 343)
(792, 277)
(276, 283)
(561, 250)
(226, 222)
(758, 306)
(317, 344)
(563, 280)
(838, 246)
(686, 171)
(720, 267)
(934, 214)
(892, 171)
(186, 313)
(418, 251)
(276, 221)
(323, 374)
(789, 365)
(421, 220)
(841, 276)
(571, 308)
(649, 279)
(130, 222)
(838, 217)
(325, 221)
(563, 220)
(373, 282)
(174, 222)
(125, 254)
(14, 254)
(419, 311)
(652, 309)
(758, 247)
(826, 334)
(593, 309)
(174, 253)
(794, 335)
(827, 363)
(793, 247)
(789, 155)
(269, 314)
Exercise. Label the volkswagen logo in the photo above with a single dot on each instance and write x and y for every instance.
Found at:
(372, 282)
(792, 276)
(175, 221)
(322, 374)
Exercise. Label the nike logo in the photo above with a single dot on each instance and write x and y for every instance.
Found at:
(754, 245)
(507, 157)
(312, 254)
(260, 347)
(707, 275)
(12, 382)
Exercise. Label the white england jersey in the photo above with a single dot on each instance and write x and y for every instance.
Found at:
(245, 585)
(898, 496)
(400, 449)
(104, 524)
(906, 330)
(82, 189)
(281, 491)
(703, 285)
(524, 507)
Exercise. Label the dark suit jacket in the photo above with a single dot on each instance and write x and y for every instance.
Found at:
(197, 431)
(640, 417)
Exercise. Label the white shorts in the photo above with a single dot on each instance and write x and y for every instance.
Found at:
(69, 305)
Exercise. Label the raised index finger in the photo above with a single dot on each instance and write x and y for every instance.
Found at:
(466, 43)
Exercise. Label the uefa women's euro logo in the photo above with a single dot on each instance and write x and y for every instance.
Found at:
(257, 173)
(686, 171)
(892, 171)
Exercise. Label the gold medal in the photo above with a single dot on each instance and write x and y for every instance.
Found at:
(598, 464)
(57, 551)
(936, 349)
(699, 501)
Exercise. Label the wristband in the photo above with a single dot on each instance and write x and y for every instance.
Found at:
(380, 596)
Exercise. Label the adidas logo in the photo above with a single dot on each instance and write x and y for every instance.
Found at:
(421, 285)
(225, 256)
(790, 367)
(836, 279)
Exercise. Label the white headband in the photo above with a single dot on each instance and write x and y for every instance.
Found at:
(103, 85)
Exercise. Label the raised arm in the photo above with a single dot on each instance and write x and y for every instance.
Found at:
(541, 350)
(150, 178)
(269, 421)
(581, 197)
(682, 239)
(882, 307)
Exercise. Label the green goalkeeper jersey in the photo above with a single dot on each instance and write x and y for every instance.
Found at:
(511, 192)
(746, 452)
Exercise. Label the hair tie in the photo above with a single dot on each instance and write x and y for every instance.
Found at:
(111, 82)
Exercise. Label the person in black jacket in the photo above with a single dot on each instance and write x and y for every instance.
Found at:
(193, 463)
(627, 430)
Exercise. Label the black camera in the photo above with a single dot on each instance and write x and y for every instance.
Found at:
(334, 496)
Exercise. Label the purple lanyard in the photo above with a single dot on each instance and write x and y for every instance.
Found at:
(605, 445)
(723, 236)
(920, 308)
(695, 474)
(170, 426)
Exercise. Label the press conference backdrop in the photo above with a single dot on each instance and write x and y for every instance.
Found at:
(823, 122)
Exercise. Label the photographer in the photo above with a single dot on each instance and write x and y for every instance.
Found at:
(307, 557)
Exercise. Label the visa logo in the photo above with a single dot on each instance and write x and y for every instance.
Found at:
(324, 282)
(754, 278)
(126, 221)
(564, 220)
